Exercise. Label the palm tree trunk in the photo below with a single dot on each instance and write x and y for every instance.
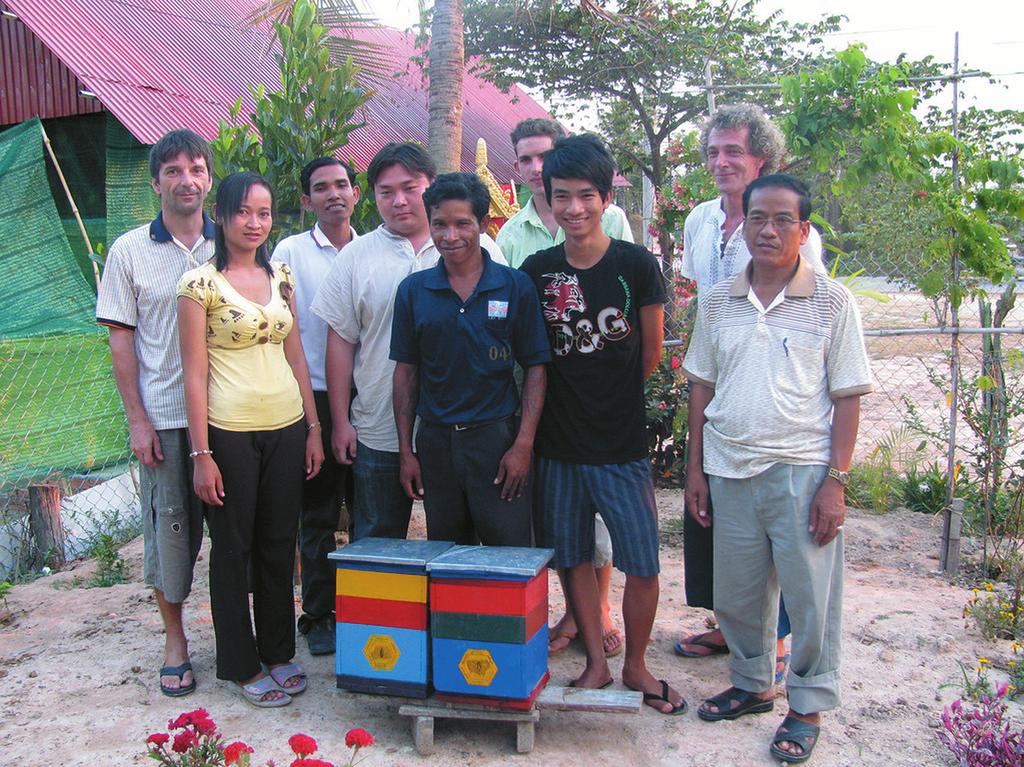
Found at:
(447, 66)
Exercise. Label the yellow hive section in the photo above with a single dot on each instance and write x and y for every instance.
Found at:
(373, 585)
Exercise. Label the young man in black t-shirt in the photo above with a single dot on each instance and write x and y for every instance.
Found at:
(602, 303)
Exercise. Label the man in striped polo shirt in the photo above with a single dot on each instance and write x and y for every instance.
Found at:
(137, 301)
(777, 366)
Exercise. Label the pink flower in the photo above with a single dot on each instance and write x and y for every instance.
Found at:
(676, 364)
(302, 745)
(233, 752)
(158, 738)
(183, 741)
(358, 737)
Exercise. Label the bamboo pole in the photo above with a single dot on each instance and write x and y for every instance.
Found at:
(71, 201)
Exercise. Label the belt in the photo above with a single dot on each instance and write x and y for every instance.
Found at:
(474, 425)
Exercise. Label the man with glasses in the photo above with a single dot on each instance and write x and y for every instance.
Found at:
(777, 366)
(739, 144)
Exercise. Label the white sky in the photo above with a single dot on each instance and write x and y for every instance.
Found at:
(991, 35)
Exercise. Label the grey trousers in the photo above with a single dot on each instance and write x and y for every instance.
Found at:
(761, 543)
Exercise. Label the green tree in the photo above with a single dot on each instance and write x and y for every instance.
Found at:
(310, 116)
(641, 66)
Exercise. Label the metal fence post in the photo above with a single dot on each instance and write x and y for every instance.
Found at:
(949, 557)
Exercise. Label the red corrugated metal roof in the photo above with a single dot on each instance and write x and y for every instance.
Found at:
(164, 64)
(34, 82)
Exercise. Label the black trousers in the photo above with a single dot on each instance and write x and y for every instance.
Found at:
(322, 497)
(460, 500)
(255, 529)
(698, 562)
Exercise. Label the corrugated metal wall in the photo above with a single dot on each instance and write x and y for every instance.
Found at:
(33, 82)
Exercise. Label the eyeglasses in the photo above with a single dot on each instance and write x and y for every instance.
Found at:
(758, 222)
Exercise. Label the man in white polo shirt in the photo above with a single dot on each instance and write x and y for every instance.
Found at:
(137, 302)
(357, 301)
(330, 191)
(777, 366)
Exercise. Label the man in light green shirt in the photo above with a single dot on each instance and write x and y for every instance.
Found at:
(534, 228)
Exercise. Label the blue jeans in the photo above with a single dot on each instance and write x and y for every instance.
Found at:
(380, 508)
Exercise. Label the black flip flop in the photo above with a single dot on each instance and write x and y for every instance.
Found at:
(699, 640)
(178, 671)
(679, 710)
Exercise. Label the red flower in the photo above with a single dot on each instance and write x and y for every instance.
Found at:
(158, 738)
(233, 752)
(310, 763)
(183, 741)
(676, 364)
(359, 738)
(193, 718)
(302, 745)
(205, 726)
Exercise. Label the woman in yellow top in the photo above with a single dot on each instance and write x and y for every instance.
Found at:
(254, 434)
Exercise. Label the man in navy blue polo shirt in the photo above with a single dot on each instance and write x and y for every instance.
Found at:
(458, 329)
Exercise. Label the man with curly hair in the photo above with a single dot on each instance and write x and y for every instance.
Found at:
(739, 144)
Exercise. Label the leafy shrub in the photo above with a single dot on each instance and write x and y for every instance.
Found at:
(924, 492)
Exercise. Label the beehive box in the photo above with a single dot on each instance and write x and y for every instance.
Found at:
(488, 618)
(381, 609)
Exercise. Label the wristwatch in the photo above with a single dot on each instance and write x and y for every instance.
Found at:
(842, 477)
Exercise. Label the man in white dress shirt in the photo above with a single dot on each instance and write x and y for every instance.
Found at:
(330, 192)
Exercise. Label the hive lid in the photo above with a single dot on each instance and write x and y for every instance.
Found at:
(497, 560)
(390, 551)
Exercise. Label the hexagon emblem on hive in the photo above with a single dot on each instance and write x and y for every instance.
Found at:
(381, 652)
(478, 667)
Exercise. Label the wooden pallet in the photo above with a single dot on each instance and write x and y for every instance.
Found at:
(424, 713)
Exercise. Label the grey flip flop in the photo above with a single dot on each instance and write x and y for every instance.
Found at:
(281, 674)
(256, 693)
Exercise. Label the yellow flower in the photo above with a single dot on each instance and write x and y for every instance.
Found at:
(983, 660)
(1011, 663)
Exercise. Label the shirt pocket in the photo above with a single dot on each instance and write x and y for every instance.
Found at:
(802, 366)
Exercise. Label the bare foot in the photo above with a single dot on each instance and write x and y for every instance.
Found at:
(561, 635)
(612, 640)
(593, 678)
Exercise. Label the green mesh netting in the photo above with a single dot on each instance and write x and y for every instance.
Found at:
(46, 292)
(59, 408)
(130, 198)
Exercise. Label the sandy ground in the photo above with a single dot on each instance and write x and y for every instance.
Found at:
(78, 682)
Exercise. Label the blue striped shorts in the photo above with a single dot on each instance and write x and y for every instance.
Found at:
(568, 495)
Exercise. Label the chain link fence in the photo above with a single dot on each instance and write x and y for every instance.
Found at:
(66, 481)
